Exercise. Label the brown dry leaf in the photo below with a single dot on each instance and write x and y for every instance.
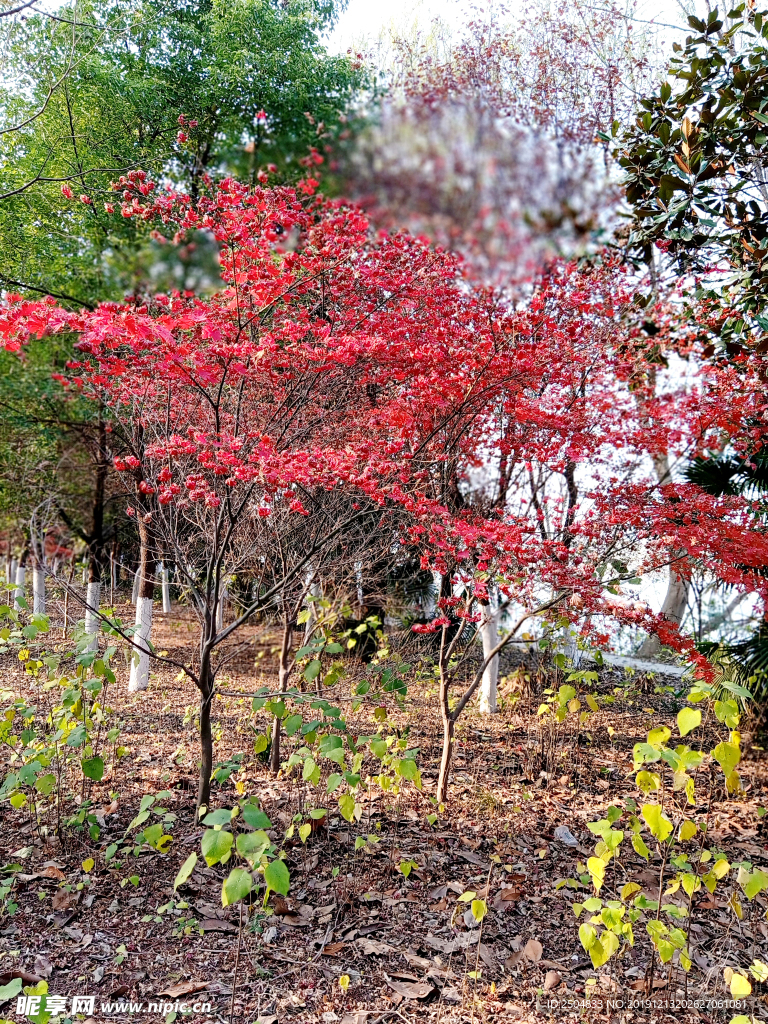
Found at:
(51, 871)
(334, 948)
(372, 947)
(63, 900)
(509, 894)
(533, 950)
(513, 960)
(411, 989)
(43, 967)
(184, 988)
(213, 924)
(357, 1017)
(552, 980)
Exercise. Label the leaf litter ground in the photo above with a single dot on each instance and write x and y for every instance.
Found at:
(409, 950)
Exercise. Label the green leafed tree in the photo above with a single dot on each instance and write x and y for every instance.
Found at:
(695, 169)
(99, 89)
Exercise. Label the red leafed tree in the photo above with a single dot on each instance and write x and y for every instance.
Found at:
(347, 389)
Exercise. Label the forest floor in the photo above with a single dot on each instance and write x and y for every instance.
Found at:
(406, 946)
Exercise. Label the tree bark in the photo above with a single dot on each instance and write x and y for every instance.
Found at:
(205, 685)
(448, 731)
(676, 599)
(282, 678)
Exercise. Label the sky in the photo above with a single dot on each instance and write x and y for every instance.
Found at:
(363, 20)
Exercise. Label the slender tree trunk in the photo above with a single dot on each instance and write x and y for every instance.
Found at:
(315, 592)
(97, 552)
(489, 632)
(139, 678)
(448, 731)
(166, 590)
(676, 599)
(38, 585)
(206, 736)
(282, 678)
(18, 594)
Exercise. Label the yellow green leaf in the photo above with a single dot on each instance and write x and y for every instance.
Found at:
(688, 830)
(688, 719)
(657, 822)
(727, 756)
(88, 865)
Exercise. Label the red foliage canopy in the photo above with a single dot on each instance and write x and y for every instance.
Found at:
(513, 444)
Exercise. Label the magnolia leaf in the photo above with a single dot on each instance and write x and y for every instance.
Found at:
(88, 865)
(305, 831)
(688, 719)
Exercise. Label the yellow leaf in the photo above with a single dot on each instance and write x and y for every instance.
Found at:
(344, 982)
(629, 890)
(688, 830)
(740, 986)
(88, 865)
(592, 702)
(596, 869)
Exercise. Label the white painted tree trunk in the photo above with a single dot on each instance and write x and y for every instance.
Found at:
(38, 590)
(489, 632)
(9, 570)
(12, 572)
(315, 592)
(139, 679)
(19, 580)
(85, 575)
(164, 574)
(92, 599)
(136, 581)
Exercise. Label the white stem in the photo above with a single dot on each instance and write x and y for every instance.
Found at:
(316, 592)
(92, 599)
(164, 573)
(85, 574)
(38, 590)
(489, 632)
(136, 579)
(139, 679)
(19, 594)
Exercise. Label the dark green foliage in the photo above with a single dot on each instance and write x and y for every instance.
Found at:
(694, 166)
